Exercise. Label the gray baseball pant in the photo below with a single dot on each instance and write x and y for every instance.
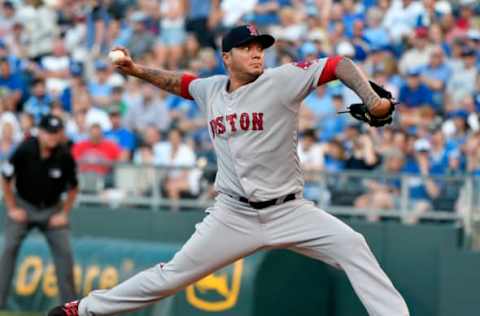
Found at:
(233, 230)
(58, 240)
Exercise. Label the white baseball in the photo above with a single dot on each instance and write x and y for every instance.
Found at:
(116, 55)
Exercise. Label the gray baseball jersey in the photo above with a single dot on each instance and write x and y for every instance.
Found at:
(254, 129)
(254, 132)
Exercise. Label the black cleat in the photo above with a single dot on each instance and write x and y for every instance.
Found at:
(68, 309)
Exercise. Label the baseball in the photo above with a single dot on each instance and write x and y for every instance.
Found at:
(381, 109)
(116, 55)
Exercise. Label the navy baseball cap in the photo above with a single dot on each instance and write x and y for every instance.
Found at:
(51, 123)
(244, 34)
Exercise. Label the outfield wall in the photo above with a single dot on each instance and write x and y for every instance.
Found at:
(425, 263)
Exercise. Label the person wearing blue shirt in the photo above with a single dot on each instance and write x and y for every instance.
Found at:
(350, 16)
(435, 75)
(335, 124)
(11, 85)
(416, 102)
(39, 103)
(421, 191)
(266, 12)
(374, 32)
(414, 93)
(120, 135)
(100, 89)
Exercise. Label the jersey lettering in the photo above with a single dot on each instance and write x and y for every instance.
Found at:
(257, 121)
(220, 126)
(248, 121)
(244, 121)
(231, 118)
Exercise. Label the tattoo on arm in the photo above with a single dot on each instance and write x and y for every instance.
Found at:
(169, 81)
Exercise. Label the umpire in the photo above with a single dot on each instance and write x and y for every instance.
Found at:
(43, 169)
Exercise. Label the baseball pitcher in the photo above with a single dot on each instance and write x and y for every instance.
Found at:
(253, 120)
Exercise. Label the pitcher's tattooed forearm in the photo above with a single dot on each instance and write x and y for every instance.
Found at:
(169, 81)
(352, 77)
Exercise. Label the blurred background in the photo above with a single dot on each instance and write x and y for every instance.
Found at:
(147, 167)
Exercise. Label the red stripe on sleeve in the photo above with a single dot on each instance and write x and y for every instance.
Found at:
(328, 72)
(186, 79)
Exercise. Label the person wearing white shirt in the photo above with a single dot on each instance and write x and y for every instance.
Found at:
(176, 154)
(401, 18)
(311, 155)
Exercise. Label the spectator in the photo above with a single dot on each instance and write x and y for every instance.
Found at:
(310, 152)
(432, 12)
(376, 34)
(120, 135)
(40, 27)
(363, 155)
(419, 55)
(383, 193)
(7, 19)
(320, 107)
(7, 117)
(152, 111)
(96, 154)
(311, 157)
(291, 27)
(334, 156)
(141, 41)
(75, 95)
(27, 124)
(401, 18)
(209, 63)
(422, 189)
(472, 151)
(118, 99)
(234, 11)
(8, 141)
(351, 15)
(462, 82)
(436, 75)
(56, 68)
(416, 101)
(144, 153)
(16, 40)
(100, 89)
(40, 102)
(456, 129)
(439, 154)
(175, 153)
(76, 127)
(11, 86)
(198, 20)
(168, 49)
(336, 124)
(97, 18)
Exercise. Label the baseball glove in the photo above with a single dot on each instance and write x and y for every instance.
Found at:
(360, 110)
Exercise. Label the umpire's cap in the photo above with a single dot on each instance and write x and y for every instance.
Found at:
(245, 34)
(51, 123)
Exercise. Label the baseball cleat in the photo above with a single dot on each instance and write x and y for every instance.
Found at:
(68, 309)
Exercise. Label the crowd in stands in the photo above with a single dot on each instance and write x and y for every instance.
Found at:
(52, 59)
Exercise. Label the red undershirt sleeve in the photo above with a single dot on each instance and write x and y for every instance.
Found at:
(328, 72)
(186, 79)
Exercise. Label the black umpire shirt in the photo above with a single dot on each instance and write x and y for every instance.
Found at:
(41, 181)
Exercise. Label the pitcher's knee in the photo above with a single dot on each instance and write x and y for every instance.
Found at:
(351, 240)
(168, 282)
